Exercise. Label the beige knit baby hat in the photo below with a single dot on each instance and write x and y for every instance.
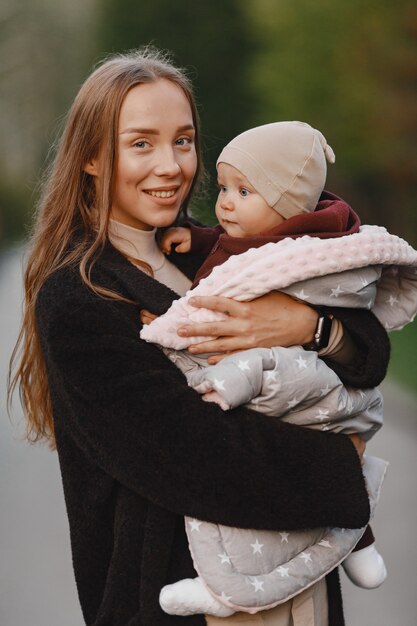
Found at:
(285, 162)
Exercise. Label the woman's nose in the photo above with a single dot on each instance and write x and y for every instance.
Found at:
(166, 163)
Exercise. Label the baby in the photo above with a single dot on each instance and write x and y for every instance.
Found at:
(271, 180)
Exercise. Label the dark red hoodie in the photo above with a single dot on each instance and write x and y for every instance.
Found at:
(333, 217)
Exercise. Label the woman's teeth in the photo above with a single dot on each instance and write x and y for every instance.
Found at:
(162, 194)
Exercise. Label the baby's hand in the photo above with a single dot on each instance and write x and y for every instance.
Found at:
(178, 235)
(146, 317)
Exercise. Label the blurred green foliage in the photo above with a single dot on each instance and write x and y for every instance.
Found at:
(403, 364)
(350, 69)
(15, 214)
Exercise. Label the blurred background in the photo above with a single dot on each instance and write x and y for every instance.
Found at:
(348, 67)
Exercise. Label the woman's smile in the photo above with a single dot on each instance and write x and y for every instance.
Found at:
(161, 194)
(165, 195)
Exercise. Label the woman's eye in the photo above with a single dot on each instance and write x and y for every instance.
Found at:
(141, 144)
(184, 141)
(244, 192)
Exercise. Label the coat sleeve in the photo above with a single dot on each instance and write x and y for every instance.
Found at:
(131, 412)
(373, 348)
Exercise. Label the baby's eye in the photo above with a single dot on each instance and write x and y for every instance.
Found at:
(244, 192)
(222, 189)
(142, 143)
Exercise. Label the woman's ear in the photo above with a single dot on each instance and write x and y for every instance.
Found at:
(92, 167)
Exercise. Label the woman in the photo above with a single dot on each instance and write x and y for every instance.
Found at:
(134, 460)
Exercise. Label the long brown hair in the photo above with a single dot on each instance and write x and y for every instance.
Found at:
(72, 208)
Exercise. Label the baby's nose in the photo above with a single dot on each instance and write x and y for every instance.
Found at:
(227, 202)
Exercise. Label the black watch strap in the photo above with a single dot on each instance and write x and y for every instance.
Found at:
(322, 333)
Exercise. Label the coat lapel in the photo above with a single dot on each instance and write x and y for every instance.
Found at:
(113, 271)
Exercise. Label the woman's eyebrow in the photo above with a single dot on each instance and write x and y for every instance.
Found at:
(154, 131)
(141, 131)
(181, 129)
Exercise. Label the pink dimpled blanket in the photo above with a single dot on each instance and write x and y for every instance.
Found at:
(277, 266)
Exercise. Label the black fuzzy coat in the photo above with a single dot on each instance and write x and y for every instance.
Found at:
(139, 449)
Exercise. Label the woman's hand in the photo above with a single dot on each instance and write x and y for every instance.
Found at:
(146, 317)
(274, 319)
(359, 444)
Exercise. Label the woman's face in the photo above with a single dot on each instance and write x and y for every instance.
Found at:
(157, 157)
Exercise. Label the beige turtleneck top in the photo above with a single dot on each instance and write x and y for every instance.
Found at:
(141, 245)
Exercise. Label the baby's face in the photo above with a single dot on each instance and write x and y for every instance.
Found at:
(240, 209)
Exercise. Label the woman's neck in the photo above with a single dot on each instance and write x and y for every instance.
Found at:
(136, 244)
(141, 248)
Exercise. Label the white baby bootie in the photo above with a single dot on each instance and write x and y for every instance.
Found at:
(365, 568)
(190, 597)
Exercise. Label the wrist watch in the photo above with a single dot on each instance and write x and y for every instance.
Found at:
(322, 333)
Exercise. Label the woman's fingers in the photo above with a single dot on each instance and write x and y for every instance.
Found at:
(222, 305)
(213, 359)
(215, 329)
(359, 444)
(146, 317)
(222, 344)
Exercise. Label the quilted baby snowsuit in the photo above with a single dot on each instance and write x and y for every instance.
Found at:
(254, 570)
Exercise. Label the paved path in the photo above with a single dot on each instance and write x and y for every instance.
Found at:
(36, 581)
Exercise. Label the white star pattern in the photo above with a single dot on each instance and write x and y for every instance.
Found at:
(364, 282)
(370, 304)
(325, 390)
(336, 292)
(392, 300)
(219, 385)
(258, 584)
(257, 547)
(243, 365)
(225, 597)
(195, 525)
(283, 571)
(323, 413)
(325, 544)
(224, 558)
(301, 295)
(284, 537)
(271, 375)
(306, 556)
(302, 363)
(362, 393)
(292, 403)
